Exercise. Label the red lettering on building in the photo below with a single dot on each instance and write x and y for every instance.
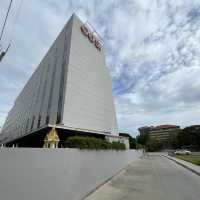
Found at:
(91, 37)
(85, 30)
(98, 45)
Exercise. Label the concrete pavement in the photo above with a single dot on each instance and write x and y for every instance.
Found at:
(151, 178)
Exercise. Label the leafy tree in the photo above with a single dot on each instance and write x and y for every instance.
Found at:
(174, 139)
(132, 141)
(153, 145)
(142, 139)
(190, 136)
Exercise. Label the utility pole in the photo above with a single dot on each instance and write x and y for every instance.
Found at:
(3, 53)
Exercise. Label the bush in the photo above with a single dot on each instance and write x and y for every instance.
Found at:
(82, 142)
(118, 146)
(153, 145)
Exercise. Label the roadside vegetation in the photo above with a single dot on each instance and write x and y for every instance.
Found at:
(190, 158)
(188, 137)
(132, 141)
(153, 145)
(82, 142)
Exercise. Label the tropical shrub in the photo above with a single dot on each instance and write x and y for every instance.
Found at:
(86, 142)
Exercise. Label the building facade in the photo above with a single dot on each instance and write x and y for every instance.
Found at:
(71, 89)
(162, 133)
(144, 130)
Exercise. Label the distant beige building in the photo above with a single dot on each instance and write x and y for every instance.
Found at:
(162, 132)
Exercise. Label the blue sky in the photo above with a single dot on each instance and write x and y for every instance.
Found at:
(153, 54)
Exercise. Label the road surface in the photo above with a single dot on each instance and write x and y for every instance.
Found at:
(151, 178)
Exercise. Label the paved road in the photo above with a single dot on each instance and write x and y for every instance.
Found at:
(151, 178)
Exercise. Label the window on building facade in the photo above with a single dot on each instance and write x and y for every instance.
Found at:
(62, 82)
(33, 119)
(47, 119)
(27, 124)
(39, 120)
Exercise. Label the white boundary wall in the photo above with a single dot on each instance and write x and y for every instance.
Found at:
(63, 174)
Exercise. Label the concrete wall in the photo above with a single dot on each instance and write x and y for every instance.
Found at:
(49, 174)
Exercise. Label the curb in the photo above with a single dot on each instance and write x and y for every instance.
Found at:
(185, 166)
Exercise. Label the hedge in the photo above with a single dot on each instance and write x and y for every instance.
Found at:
(82, 142)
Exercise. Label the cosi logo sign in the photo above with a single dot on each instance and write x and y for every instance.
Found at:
(91, 37)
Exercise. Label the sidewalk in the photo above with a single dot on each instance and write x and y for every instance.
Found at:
(187, 165)
(153, 177)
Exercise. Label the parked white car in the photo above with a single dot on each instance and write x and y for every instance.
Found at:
(182, 152)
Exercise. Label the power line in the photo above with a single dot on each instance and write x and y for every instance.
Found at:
(3, 53)
(4, 24)
(15, 21)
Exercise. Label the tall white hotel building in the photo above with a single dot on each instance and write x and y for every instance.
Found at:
(71, 90)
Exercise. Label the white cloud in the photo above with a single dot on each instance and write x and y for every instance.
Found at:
(152, 53)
